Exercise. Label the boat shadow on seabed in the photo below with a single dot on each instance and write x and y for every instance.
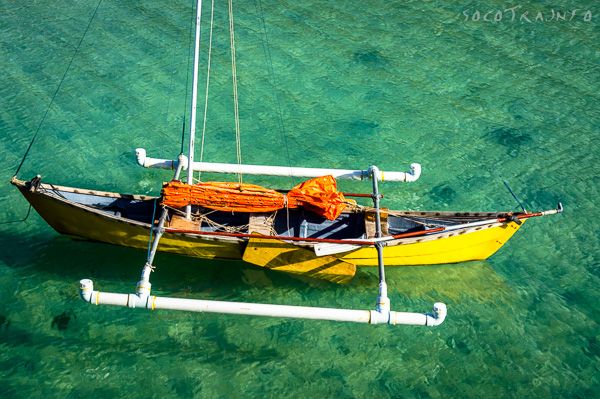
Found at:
(67, 259)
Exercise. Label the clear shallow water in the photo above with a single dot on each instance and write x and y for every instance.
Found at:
(376, 82)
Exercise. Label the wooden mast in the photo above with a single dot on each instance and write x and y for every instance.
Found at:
(190, 176)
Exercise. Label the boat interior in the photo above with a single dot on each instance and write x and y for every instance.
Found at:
(353, 224)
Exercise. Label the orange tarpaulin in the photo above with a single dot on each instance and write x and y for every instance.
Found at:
(319, 195)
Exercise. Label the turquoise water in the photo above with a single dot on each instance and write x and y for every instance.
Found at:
(320, 84)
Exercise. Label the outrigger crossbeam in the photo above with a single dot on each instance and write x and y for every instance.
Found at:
(152, 302)
(263, 170)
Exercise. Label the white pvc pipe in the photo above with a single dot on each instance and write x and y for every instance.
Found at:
(307, 172)
(436, 318)
(148, 162)
(258, 309)
(411, 176)
(553, 211)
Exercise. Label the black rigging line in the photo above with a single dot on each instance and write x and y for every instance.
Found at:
(57, 89)
(269, 59)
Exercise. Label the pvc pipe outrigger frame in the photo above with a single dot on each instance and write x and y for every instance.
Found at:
(271, 170)
(140, 300)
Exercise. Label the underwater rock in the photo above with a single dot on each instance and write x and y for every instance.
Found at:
(358, 128)
(509, 137)
(594, 268)
(186, 387)
(113, 105)
(372, 58)
(284, 332)
(443, 193)
(538, 198)
(593, 347)
(392, 386)
(461, 346)
(61, 322)
(4, 322)
(361, 125)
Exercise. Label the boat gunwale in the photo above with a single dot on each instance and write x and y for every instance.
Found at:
(362, 209)
(84, 191)
(215, 236)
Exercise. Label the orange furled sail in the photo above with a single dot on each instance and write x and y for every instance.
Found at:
(319, 195)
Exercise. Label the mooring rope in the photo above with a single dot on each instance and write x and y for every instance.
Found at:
(19, 220)
(37, 131)
(57, 90)
(235, 92)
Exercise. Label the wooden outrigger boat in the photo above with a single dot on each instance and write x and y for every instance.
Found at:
(312, 230)
(294, 240)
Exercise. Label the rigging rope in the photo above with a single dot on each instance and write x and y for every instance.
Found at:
(212, 12)
(172, 71)
(57, 89)
(235, 93)
(269, 59)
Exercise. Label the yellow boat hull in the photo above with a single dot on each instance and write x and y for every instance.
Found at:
(80, 221)
(438, 249)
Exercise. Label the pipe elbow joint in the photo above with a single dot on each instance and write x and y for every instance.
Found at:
(374, 172)
(437, 316)
(183, 161)
(86, 290)
(415, 172)
(140, 154)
